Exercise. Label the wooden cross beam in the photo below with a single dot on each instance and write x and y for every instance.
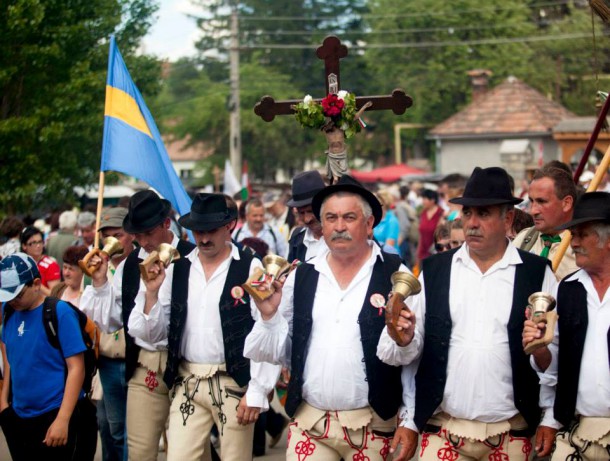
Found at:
(331, 51)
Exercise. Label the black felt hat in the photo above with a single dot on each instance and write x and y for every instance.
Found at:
(347, 184)
(486, 187)
(145, 212)
(590, 207)
(208, 212)
(304, 186)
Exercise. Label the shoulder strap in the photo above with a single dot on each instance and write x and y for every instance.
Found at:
(272, 235)
(237, 234)
(49, 321)
(530, 239)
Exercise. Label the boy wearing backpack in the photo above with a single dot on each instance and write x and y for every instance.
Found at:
(44, 412)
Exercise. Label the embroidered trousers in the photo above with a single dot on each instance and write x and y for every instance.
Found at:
(437, 443)
(356, 435)
(207, 395)
(147, 408)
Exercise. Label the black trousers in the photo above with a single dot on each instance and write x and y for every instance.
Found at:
(24, 436)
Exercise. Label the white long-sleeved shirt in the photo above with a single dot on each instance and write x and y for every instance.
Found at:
(314, 246)
(334, 377)
(202, 338)
(480, 306)
(593, 396)
(104, 305)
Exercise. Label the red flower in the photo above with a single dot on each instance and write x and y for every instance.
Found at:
(332, 105)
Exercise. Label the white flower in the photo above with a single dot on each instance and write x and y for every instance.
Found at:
(307, 100)
(344, 126)
(342, 94)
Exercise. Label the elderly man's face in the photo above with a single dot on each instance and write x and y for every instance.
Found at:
(485, 228)
(344, 226)
(88, 234)
(548, 210)
(306, 215)
(256, 218)
(586, 245)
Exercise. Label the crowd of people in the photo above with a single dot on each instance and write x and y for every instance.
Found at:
(196, 341)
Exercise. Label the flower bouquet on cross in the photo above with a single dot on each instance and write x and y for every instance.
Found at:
(336, 115)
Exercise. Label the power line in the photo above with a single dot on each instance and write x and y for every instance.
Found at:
(485, 41)
(406, 15)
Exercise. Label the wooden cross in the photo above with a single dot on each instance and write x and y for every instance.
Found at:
(331, 51)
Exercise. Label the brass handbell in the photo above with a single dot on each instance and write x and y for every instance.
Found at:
(274, 267)
(112, 247)
(541, 307)
(404, 285)
(165, 254)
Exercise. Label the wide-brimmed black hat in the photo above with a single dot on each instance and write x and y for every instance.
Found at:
(304, 186)
(145, 212)
(590, 207)
(486, 187)
(208, 212)
(347, 184)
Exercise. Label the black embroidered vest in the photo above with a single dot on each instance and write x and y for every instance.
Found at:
(573, 322)
(130, 288)
(432, 373)
(385, 387)
(296, 247)
(235, 318)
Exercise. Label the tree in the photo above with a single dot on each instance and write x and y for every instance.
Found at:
(52, 78)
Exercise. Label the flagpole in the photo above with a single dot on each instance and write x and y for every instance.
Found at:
(100, 205)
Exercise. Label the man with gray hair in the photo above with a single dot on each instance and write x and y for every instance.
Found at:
(64, 238)
(86, 228)
(329, 314)
(579, 365)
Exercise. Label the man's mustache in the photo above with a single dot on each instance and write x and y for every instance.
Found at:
(344, 235)
(473, 233)
(206, 244)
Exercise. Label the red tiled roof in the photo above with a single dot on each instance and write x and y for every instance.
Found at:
(511, 107)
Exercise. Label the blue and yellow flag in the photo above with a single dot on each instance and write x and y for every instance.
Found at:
(132, 143)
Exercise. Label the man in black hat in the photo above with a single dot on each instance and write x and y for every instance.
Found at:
(476, 395)
(343, 399)
(580, 366)
(110, 305)
(200, 308)
(307, 241)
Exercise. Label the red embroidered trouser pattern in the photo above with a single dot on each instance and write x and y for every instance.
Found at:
(446, 447)
(327, 440)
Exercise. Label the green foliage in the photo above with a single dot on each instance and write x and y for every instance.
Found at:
(52, 79)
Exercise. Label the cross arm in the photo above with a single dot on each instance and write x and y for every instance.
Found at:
(398, 102)
(267, 108)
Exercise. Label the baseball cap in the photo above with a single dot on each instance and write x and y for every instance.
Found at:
(270, 198)
(15, 271)
(112, 217)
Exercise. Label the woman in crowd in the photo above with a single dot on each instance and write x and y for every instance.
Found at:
(430, 216)
(71, 288)
(32, 243)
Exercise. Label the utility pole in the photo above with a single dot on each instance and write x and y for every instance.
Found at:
(235, 131)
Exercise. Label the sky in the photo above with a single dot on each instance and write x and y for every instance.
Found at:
(173, 33)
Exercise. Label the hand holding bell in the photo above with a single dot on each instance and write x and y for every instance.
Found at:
(165, 254)
(112, 247)
(404, 285)
(540, 310)
(260, 284)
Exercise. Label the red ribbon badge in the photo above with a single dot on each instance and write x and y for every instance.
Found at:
(237, 293)
(378, 302)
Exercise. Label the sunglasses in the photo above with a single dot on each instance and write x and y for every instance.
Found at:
(442, 246)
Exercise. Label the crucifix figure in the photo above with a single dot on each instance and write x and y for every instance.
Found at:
(331, 119)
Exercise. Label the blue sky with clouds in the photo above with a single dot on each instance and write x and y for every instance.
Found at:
(173, 33)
